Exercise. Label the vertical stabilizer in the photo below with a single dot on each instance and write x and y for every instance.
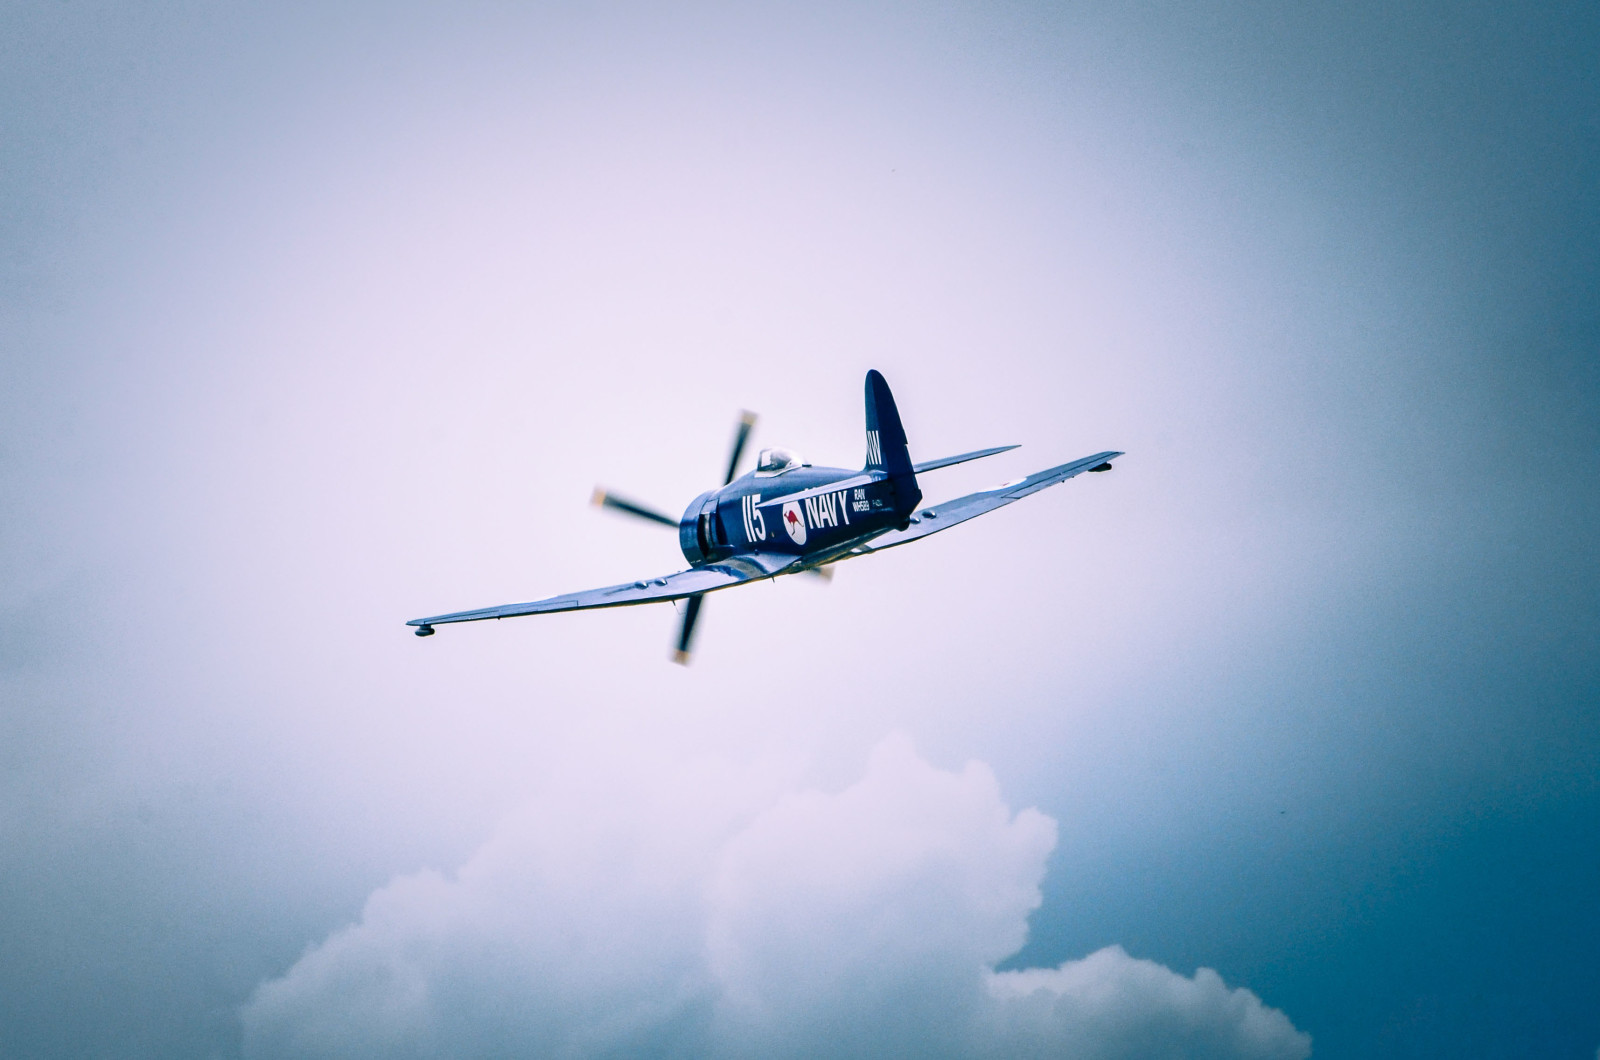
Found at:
(886, 444)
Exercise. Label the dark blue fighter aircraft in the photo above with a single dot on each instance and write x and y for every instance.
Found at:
(787, 517)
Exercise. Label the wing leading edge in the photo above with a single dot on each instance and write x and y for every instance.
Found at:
(735, 570)
(936, 517)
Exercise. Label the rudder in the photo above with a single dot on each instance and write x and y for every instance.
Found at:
(886, 444)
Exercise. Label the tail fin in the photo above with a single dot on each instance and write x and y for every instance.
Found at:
(886, 444)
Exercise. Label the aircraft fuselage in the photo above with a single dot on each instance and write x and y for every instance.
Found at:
(750, 515)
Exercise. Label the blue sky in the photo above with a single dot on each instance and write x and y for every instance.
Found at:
(315, 321)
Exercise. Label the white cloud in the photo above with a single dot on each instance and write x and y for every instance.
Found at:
(1110, 1005)
(716, 914)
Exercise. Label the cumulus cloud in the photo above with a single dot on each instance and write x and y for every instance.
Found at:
(1111, 1005)
(719, 915)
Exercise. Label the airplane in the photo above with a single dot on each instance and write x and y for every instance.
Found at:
(787, 517)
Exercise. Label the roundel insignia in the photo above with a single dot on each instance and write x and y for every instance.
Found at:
(794, 521)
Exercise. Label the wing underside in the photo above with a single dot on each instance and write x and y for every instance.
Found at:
(936, 517)
(736, 570)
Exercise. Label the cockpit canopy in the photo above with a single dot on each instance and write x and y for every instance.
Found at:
(776, 460)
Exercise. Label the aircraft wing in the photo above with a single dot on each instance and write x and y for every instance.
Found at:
(732, 571)
(936, 517)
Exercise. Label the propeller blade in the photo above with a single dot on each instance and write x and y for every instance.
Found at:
(747, 422)
(825, 572)
(603, 499)
(686, 631)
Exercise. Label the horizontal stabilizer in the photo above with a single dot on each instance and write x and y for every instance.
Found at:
(946, 461)
(863, 479)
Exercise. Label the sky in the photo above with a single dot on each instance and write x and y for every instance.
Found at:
(1281, 740)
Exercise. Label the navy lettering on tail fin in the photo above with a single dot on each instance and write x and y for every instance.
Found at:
(886, 444)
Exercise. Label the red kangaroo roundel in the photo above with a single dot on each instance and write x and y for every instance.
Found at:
(794, 521)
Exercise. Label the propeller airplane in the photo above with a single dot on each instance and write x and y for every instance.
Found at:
(787, 517)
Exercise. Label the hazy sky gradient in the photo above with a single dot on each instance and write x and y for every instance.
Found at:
(314, 321)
